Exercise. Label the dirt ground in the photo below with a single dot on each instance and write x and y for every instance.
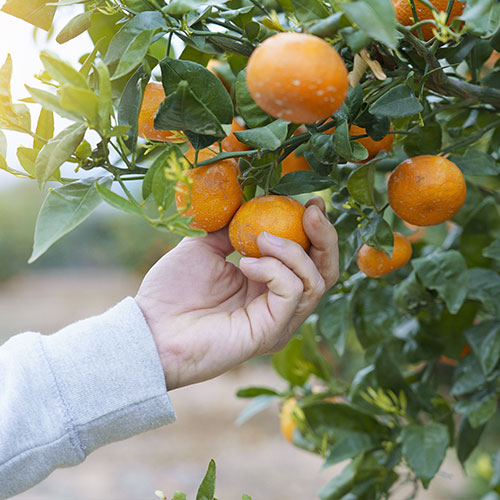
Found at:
(252, 458)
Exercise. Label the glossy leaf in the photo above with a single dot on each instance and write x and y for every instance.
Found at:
(484, 340)
(253, 115)
(334, 321)
(302, 182)
(64, 209)
(62, 71)
(269, 137)
(75, 27)
(206, 491)
(116, 201)
(57, 151)
(35, 12)
(361, 185)
(376, 18)
(424, 447)
(445, 272)
(398, 102)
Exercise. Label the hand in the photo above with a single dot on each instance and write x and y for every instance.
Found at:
(207, 315)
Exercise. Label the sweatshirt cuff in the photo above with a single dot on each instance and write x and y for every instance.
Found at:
(109, 377)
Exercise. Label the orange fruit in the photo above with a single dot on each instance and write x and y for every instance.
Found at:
(287, 425)
(212, 66)
(417, 235)
(404, 13)
(294, 163)
(375, 263)
(215, 192)
(230, 143)
(153, 97)
(426, 190)
(373, 147)
(491, 61)
(297, 77)
(275, 214)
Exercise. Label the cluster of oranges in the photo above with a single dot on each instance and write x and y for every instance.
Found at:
(302, 79)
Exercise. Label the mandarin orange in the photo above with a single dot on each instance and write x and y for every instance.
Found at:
(297, 77)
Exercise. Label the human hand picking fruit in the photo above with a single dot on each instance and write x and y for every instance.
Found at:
(212, 315)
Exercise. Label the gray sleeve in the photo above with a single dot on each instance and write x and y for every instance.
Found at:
(64, 395)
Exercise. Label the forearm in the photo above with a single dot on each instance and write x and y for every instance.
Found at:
(64, 395)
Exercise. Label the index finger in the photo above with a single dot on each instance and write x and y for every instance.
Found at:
(324, 250)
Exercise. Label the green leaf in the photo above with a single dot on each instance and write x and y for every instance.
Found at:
(44, 128)
(253, 115)
(335, 420)
(27, 158)
(290, 364)
(57, 151)
(133, 54)
(202, 83)
(484, 285)
(398, 102)
(116, 201)
(61, 71)
(75, 27)
(65, 208)
(342, 483)
(424, 447)
(105, 98)
(82, 101)
(476, 163)
(179, 496)
(426, 140)
(130, 105)
(349, 446)
(149, 21)
(258, 404)
(35, 12)
(302, 182)
(375, 17)
(467, 439)
(182, 110)
(373, 314)
(52, 102)
(252, 392)
(492, 251)
(478, 408)
(207, 486)
(334, 321)
(308, 11)
(163, 189)
(361, 185)
(468, 377)
(269, 137)
(445, 272)
(484, 340)
(378, 234)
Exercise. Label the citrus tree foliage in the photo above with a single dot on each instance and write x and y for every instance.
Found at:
(206, 491)
(424, 341)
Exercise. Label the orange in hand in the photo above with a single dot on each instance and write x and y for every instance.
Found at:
(153, 97)
(426, 190)
(297, 77)
(274, 214)
(215, 192)
(375, 263)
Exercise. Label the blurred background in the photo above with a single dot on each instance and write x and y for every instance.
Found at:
(94, 267)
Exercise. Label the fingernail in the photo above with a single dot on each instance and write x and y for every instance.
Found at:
(248, 260)
(274, 240)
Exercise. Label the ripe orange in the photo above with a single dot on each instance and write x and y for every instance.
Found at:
(278, 215)
(373, 147)
(287, 425)
(404, 13)
(212, 66)
(426, 190)
(375, 263)
(153, 97)
(297, 77)
(417, 235)
(491, 61)
(230, 143)
(215, 193)
(294, 163)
